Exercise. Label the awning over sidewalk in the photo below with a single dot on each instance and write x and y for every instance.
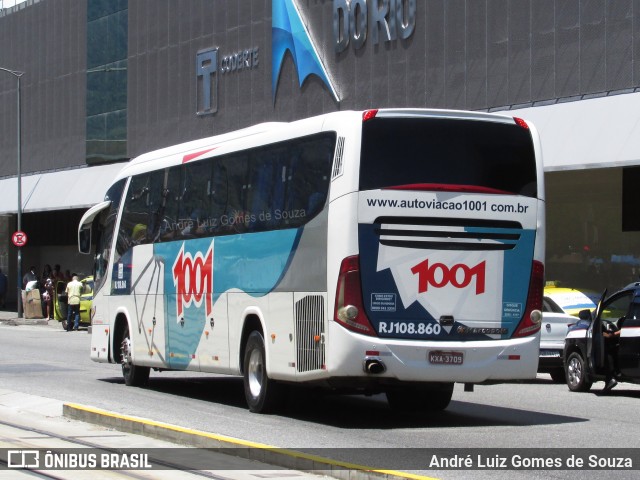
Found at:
(77, 188)
(594, 133)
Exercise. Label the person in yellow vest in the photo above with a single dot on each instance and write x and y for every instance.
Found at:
(74, 290)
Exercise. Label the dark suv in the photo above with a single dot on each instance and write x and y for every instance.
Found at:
(588, 355)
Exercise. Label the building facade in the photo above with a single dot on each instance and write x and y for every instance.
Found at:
(107, 80)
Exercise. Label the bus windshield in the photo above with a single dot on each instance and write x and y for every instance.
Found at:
(434, 151)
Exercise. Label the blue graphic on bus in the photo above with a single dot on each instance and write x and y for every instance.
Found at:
(197, 272)
(397, 305)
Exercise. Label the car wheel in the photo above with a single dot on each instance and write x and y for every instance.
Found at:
(134, 375)
(558, 375)
(263, 394)
(420, 399)
(576, 373)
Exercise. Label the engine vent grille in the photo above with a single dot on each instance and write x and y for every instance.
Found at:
(338, 157)
(448, 234)
(310, 333)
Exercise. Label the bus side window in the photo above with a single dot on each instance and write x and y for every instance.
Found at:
(133, 227)
(194, 200)
(312, 165)
(158, 202)
(232, 220)
(278, 191)
(266, 194)
(320, 160)
(218, 191)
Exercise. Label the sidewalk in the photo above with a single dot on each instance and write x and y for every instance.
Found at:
(11, 318)
(29, 423)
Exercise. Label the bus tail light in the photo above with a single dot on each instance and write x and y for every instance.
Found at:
(349, 309)
(532, 318)
(369, 114)
(521, 123)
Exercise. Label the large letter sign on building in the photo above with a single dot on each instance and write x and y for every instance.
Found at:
(207, 68)
(288, 32)
(388, 19)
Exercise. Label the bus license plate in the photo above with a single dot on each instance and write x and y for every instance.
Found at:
(440, 357)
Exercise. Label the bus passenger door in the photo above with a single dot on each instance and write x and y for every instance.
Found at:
(141, 283)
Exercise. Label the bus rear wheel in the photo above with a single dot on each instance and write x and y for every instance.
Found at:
(134, 375)
(425, 399)
(263, 394)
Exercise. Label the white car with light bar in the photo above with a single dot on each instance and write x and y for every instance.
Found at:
(555, 325)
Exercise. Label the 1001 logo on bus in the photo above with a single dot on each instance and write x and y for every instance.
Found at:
(193, 279)
(439, 275)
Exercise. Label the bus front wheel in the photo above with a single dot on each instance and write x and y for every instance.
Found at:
(134, 376)
(262, 393)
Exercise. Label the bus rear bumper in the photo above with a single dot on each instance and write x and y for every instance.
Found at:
(389, 360)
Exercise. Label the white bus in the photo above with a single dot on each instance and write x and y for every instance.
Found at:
(396, 251)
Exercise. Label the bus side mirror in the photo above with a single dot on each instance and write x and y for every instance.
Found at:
(585, 315)
(84, 239)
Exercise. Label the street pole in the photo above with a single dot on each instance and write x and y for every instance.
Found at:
(18, 74)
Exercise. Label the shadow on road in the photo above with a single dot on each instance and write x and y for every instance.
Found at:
(356, 411)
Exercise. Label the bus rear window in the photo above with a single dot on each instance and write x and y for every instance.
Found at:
(445, 151)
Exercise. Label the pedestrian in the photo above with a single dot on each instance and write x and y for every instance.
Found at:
(47, 297)
(74, 290)
(57, 275)
(46, 273)
(29, 277)
(3, 289)
(46, 288)
(611, 343)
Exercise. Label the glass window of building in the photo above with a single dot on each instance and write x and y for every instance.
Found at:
(107, 30)
(590, 244)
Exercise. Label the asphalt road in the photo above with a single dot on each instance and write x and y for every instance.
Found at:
(46, 361)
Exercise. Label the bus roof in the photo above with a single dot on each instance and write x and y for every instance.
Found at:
(193, 147)
(201, 148)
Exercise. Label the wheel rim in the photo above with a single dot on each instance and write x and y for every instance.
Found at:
(255, 373)
(125, 357)
(575, 372)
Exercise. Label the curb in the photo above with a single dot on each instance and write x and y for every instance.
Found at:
(281, 457)
(24, 321)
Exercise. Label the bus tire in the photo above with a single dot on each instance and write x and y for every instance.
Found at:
(263, 394)
(576, 372)
(134, 375)
(431, 399)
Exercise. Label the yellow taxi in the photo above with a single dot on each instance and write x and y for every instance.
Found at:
(568, 300)
(60, 301)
